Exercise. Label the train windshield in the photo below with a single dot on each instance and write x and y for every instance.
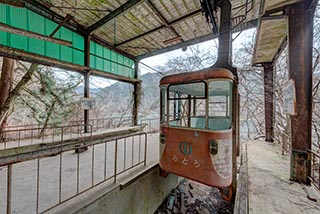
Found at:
(203, 105)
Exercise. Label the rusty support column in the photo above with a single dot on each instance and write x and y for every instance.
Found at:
(300, 66)
(136, 95)
(268, 101)
(225, 40)
(86, 82)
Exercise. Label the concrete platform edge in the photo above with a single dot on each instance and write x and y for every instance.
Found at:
(241, 205)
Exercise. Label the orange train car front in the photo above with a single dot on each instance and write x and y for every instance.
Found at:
(197, 126)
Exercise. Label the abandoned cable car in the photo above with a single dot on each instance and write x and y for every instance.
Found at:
(198, 127)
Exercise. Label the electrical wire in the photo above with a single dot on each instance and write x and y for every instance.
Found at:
(153, 69)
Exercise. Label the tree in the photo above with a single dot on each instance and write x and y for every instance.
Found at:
(6, 83)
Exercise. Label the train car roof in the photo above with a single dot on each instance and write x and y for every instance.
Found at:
(207, 73)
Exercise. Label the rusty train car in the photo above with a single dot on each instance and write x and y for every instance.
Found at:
(199, 127)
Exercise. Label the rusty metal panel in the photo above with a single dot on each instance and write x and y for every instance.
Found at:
(189, 153)
(268, 101)
(300, 65)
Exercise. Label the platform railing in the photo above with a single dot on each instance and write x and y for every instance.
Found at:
(152, 125)
(23, 137)
(96, 124)
(315, 168)
(39, 184)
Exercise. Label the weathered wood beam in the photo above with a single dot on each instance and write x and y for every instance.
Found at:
(15, 3)
(73, 26)
(174, 22)
(248, 25)
(36, 58)
(21, 32)
(162, 18)
(117, 12)
(49, 14)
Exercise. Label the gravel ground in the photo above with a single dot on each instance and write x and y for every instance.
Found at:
(191, 197)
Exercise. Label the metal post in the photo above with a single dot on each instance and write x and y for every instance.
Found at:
(136, 91)
(268, 101)
(86, 82)
(225, 40)
(9, 188)
(300, 66)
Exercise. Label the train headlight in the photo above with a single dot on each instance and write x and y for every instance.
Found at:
(213, 147)
(162, 138)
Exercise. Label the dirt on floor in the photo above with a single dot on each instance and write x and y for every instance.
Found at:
(194, 198)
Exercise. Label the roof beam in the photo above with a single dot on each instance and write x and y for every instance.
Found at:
(162, 18)
(174, 22)
(117, 12)
(246, 26)
(179, 45)
(15, 3)
(51, 15)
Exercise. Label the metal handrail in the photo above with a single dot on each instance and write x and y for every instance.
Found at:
(124, 160)
(315, 168)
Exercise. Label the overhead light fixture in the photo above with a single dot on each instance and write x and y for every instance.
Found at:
(175, 39)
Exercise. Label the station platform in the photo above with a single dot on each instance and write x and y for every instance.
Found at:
(264, 186)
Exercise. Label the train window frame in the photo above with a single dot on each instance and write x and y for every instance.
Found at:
(179, 118)
(163, 104)
(186, 83)
(229, 104)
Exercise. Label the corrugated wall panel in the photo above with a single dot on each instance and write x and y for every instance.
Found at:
(101, 58)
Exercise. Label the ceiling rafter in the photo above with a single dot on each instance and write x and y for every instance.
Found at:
(117, 12)
(74, 26)
(169, 24)
(250, 24)
(162, 18)
(46, 12)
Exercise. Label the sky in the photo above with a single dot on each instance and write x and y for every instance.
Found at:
(162, 59)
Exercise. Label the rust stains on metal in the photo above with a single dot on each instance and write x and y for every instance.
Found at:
(300, 67)
(269, 101)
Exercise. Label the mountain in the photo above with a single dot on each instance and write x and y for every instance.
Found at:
(116, 99)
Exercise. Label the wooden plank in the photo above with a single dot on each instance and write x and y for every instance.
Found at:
(21, 32)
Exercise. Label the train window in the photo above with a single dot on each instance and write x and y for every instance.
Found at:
(163, 109)
(186, 102)
(196, 90)
(220, 108)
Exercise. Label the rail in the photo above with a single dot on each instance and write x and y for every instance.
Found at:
(38, 184)
(152, 125)
(40, 130)
(315, 169)
(22, 140)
